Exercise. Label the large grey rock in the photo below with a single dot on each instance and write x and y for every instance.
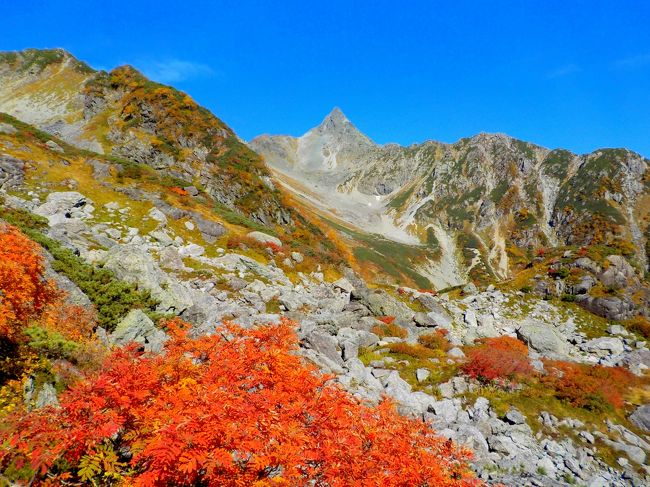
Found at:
(605, 346)
(445, 410)
(383, 304)
(635, 453)
(133, 263)
(265, 238)
(641, 417)
(585, 284)
(54, 146)
(324, 344)
(293, 300)
(210, 230)
(456, 354)
(47, 396)
(424, 320)
(101, 170)
(610, 307)
(12, 172)
(158, 215)
(543, 338)
(59, 206)
(513, 416)
(422, 374)
(470, 318)
(138, 327)
(618, 273)
(360, 380)
(408, 402)
(191, 190)
(343, 284)
(349, 341)
(587, 264)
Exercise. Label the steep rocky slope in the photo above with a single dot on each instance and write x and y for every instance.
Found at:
(169, 245)
(124, 115)
(479, 202)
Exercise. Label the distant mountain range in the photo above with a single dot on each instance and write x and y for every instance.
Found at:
(477, 204)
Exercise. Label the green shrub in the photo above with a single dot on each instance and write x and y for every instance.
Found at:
(112, 297)
(51, 343)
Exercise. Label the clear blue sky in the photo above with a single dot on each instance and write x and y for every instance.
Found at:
(573, 74)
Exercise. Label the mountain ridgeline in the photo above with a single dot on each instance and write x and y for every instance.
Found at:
(484, 202)
(123, 114)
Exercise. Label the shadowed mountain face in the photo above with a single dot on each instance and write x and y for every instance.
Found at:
(481, 201)
(123, 114)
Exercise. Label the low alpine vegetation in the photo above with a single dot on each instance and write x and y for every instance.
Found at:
(234, 408)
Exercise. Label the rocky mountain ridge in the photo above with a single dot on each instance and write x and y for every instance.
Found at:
(478, 201)
(124, 115)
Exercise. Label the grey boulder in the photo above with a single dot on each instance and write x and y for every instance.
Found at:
(138, 327)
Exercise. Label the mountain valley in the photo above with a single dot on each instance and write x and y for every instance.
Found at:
(492, 289)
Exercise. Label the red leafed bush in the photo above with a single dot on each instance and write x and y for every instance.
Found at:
(389, 328)
(416, 351)
(592, 387)
(498, 359)
(178, 191)
(231, 409)
(24, 292)
(436, 340)
(274, 247)
(428, 291)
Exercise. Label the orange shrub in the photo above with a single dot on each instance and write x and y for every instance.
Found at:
(234, 408)
(428, 291)
(178, 191)
(274, 247)
(417, 350)
(640, 325)
(73, 322)
(436, 340)
(590, 387)
(389, 329)
(501, 358)
(24, 292)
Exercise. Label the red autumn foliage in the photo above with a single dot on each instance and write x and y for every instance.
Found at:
(416, 351)
(178, 191)
(589, 386)
(231, 409)
(498, 358)
(274, 247)
(436, 340)
(428, 291)
(24, 292)
(389, 328)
